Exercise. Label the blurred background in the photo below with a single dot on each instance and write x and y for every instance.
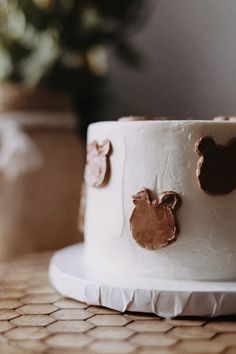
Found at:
(54, 81)
(67, 63)
(188, 66)
(176, 57)
(62, 45)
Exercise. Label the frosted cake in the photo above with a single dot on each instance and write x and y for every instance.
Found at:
(161, 198)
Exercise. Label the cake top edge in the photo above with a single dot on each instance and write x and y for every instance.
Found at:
(164, 122)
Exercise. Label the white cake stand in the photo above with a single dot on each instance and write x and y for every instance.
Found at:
(166, 298)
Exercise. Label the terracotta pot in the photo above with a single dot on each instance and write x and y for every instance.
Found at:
(41, 169)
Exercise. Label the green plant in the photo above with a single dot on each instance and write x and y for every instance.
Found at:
(61, 44)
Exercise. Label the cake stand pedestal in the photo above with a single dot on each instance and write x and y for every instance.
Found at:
(166, 298)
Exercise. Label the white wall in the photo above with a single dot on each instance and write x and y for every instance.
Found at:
(189, 62)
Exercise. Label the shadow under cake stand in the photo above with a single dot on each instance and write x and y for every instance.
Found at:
(166, 298)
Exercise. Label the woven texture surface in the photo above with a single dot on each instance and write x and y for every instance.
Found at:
(36, 319)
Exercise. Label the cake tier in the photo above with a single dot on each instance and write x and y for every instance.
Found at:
(161, 156)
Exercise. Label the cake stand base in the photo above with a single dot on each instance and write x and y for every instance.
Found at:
(166, 298)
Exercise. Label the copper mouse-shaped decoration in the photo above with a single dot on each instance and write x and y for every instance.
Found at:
(97, 170)
(153, 223)
(216, 168)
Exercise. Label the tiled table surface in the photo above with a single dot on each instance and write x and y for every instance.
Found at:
(36, 319)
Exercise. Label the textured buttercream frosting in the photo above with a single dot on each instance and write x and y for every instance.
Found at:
(160, 156)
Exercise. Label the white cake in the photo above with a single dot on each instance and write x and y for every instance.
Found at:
(197, 240)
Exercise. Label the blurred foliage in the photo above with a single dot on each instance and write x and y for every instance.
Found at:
(61, 43)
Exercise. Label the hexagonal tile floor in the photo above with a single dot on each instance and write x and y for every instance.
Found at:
(34, 318)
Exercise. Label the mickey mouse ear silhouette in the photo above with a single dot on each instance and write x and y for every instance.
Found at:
(216, 167)
(231, 146)
(204, 144)
(170, 199)
(143, 195)
(105, 148)
(97, 170)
